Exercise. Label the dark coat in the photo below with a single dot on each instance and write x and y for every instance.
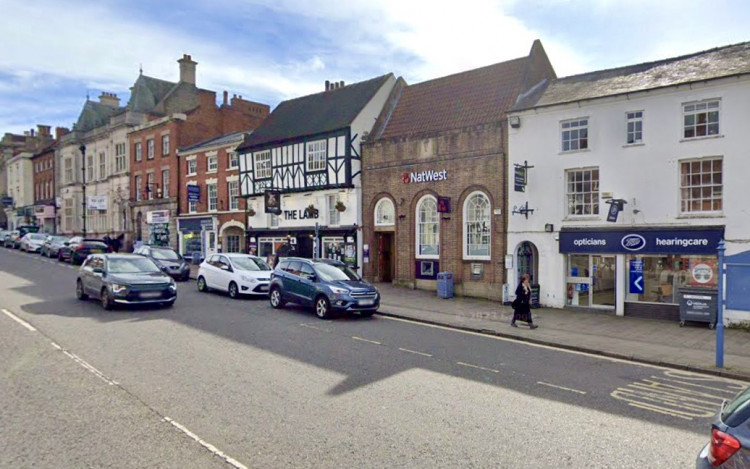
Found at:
(522, 304)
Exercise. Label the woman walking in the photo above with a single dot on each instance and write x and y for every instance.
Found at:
(522, 303)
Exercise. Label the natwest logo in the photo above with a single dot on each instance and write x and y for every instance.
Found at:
(424, 176)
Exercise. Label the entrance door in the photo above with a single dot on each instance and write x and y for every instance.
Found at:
(305, 246)
(603, 280)
(209, 241)
(385, 257)
(591, 280)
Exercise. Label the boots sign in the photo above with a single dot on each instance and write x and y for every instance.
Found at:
(424, 176)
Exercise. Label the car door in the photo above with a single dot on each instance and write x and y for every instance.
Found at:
(209, 271)
(88, 277)
(291, 281)
(306, 284)
(224, 273)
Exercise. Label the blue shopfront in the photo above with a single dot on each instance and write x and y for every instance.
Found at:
(638, 271)
(197, 235)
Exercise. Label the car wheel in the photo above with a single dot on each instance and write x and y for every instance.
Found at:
(59, 257)
(233, 293)
(80, 294)
(106, 300)
(322, 307)
(275, 298)
(202, 287)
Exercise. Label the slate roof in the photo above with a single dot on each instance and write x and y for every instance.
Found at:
(315, 114)
(706, 65)
(147, 92)
(227, 139)
(95, 114)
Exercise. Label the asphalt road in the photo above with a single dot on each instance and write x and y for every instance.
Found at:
(215, 382)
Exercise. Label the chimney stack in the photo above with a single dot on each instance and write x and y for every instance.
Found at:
(109, 99)
(44, 130)
(187, 69)
(328, 85)
(226, 97)
(60, 131)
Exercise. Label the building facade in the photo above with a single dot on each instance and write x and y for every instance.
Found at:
(630, 179)
(301, 173)
(45, 208)
(434, 184)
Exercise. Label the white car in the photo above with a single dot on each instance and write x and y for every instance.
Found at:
(236, 274)
(32, 242)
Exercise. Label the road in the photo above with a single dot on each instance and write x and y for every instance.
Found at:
(215, 382)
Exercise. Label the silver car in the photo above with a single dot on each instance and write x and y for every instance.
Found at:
(32, 242)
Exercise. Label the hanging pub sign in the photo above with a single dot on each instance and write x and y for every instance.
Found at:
(444, 205)
(272, 201)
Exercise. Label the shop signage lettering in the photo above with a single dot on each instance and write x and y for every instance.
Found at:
(424, 176)
(300, 214)
(703, 241)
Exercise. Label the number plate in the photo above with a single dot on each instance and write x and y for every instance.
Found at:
(95, 251)
(366, 302)
(150, 294)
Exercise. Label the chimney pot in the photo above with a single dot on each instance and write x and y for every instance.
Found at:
(187, 69)
(226, 96)
(328, 85)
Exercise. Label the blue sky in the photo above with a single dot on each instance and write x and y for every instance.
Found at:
(53, 53)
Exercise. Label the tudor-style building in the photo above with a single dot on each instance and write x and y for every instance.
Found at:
(434, 183)
(304, 163)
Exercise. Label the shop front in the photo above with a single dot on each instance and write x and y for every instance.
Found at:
(638, 272)
(197, 236)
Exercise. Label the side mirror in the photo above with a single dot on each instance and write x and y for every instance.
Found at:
(98, 270)
(226, 267)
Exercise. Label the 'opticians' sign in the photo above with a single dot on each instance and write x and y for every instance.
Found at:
(704, 241)
(424, 176)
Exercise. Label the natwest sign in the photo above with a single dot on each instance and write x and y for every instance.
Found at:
(424, 176)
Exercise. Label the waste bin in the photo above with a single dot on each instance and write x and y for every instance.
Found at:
(699, 305)
(445, 284)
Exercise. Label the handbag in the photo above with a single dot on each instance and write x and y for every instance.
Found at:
(515, 304)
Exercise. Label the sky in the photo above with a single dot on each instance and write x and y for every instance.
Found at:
(55, 53)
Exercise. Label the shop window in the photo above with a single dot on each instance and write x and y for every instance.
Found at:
(333, 247)
(385, 213)
(701, 185)
(477, 227)
(582, 191)
(428, 226)
(664, 276)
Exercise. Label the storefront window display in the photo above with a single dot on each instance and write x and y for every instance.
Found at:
(267, 247)
(663, 276)
(191, 242)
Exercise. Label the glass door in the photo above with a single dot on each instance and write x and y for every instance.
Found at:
(603, 280)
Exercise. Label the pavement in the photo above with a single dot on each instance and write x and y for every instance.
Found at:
(649, 341)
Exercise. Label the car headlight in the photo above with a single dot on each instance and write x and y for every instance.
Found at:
(118, 289)
(172, 285)
(339, 291)
(248, 278)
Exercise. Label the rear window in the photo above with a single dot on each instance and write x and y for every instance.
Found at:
(737, 410)
(94, 244)
(165, 254)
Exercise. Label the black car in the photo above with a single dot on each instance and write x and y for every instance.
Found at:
(729, 446)
(168, 260)
(52, 245)
(328, 286)
(78, 248)
(124, 279)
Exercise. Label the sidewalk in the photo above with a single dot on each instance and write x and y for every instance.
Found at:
(653, 341)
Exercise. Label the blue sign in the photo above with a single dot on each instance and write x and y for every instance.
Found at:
(194, 193)
(7, 201)
(636, 276)
(643, 241)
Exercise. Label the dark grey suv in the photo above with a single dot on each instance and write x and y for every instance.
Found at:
(328, 286)
(729, 446)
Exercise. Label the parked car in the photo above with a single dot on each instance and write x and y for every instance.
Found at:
(168, 260)
(729, 446)
(52, 245)
(328, 286)
(236, 274)
(124, 279)
(11, 241)
(78, 248)
(3, 235)
(32, 242)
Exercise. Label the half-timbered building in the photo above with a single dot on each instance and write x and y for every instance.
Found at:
(300, 172)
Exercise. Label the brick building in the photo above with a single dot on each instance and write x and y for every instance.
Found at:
(179, 115)
(434, 178)
(44, 182)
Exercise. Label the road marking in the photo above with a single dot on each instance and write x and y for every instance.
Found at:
(19, 320)
(366, 340)
(86, 365)
(560, 387)
(415, 352)
(213, 449)
(310, 326)
(478, 367)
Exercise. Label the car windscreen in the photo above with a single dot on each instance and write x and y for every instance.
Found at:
(165, 255)
(59, 239)
(250, 263)
(132, 265)
(331, 273)
(37, 236)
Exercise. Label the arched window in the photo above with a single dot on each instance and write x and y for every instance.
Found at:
(428, 234)
(385, 213)
(477, 226)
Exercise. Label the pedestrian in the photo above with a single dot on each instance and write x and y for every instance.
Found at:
(522, 303)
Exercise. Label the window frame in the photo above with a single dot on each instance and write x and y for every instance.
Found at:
(233, 195)
(215, 197)
(150, 182)
(419, 224)
(315, 157)
(486, 230)
(706, 185)
(574, 126)
(233, 157)
(636, 118)
(262, 165)
(120, 160)
(594, 192)
(334, 216)
(698, 108)
(138, 182)
(212, 162)
(150, 148)
(165, 183)
(165, 145)
(192, 164)
(380, 206)
(138, 151)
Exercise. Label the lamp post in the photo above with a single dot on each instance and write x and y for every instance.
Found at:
(83, 174)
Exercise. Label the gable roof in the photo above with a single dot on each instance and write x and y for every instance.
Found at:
(474, 97)
(95, 114)
(317, 113)
(147, 92)
(711, 64)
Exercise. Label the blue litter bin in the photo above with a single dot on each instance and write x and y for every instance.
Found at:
(445, 284)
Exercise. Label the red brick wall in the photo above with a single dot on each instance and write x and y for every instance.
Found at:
(46, 160)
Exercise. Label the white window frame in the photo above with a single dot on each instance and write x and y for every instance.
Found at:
(385, 212)
(165, 183)
(212, 162)
(634, 127)
(422, 223)
(192, 204)
(701, 117)
(477, 225)
(273, 220)
(582, 192)
(213, 201)
(334, 216)
(150, 148)
(120, 161)
(102, 166)
(138, 150)
(263, 168)
(233, 191)
(234, 160)
(138, 184)
(315, 159)
(89, 168)
(150, 182)
(68, 164)
(165, 145)
(192, 167)
(702, 185)
(574, 133)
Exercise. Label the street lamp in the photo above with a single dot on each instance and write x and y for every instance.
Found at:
(83, 174)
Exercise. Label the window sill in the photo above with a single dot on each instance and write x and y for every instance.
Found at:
(686, 216)
(705, 137)
(478, 258)
(637, 144)
(192, 174)
(232, 168)
(211, 171)
(427, 258)
(582, 218)
(570, 152)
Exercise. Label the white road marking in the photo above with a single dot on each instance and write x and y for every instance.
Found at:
(19, 320)
(366, 340)
(213, 449)
(415, 352)
(310, 326)
(478, 367)
(86, 365)
(560, 387)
